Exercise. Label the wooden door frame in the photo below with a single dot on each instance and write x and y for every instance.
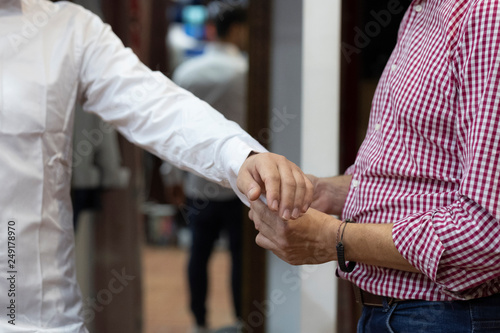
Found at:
(347, 308)
(254, 262)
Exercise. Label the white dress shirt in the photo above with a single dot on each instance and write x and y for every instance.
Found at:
(50, 56)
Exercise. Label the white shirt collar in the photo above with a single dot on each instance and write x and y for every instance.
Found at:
(222, 47)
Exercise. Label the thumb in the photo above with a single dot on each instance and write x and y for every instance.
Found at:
(249, 187)
(253, 192)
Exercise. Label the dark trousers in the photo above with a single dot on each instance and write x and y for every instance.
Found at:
(206, 220)
(480, 315)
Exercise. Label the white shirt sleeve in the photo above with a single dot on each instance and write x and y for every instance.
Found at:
(154, 113)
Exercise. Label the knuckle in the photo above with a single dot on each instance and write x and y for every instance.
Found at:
(283, 244)
(259, 240)
(299, 179)
(309, 185)
(257, 225)
(272, 178)
(282, 159)
(290, 183)
(301, 185)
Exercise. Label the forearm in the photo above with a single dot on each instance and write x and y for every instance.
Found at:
(330, 193)
(342, 185)
(372, 244)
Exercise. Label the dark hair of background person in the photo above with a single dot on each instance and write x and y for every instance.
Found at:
(226, 17)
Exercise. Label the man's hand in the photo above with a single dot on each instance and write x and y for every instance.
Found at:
(286, 188)
(312, 239)
(309, 239)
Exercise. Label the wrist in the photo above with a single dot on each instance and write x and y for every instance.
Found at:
(252, 153)
(344, 266)
(324, 252)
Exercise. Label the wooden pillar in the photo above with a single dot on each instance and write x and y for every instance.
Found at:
(348, 310)
(118, 238)
(117, 233)
(156, 25)
(158, 54)
(254, 262)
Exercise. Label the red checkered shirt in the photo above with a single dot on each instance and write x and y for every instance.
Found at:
(430, 162)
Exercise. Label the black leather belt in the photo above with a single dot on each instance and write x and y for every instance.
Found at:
(369, 299)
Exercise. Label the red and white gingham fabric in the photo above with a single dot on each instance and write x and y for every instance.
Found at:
(430, 162)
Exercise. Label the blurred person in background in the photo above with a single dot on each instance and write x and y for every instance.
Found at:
(219, 77)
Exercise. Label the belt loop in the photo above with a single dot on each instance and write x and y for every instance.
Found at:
(386, 305)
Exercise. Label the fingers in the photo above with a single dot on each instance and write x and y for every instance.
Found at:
(296, 192)
(260, 173)
(284, 185)
(304, 194)
(287, 188)
(309, 196)
(264, 169)
(268, 223)
(264, 242)
(260, 214)
(273, 233)
(288, 191)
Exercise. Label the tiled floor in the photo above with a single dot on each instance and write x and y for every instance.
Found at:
(165, 291)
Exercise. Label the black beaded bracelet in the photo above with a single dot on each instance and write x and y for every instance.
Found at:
(340, 250)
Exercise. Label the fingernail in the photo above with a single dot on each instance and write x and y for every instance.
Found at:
(286, 214)
(305, 208)
(275, 205)
(295, 213)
